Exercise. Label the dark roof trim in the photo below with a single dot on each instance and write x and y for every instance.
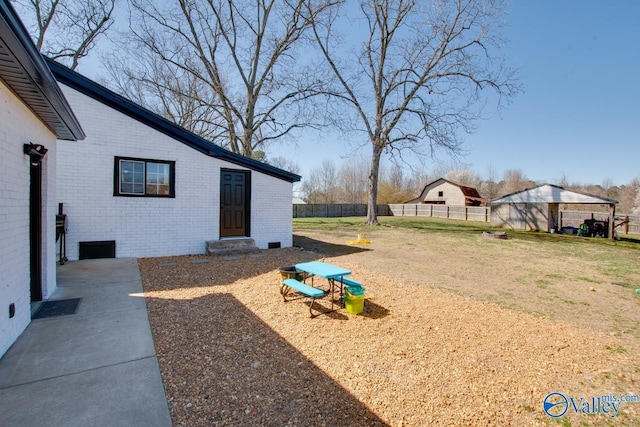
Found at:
(33, 83)
(101, 94)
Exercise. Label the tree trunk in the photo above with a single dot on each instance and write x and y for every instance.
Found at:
(372, 203)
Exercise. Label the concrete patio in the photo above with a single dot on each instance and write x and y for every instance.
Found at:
(95, 367)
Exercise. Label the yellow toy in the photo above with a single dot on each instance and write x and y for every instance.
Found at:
(361, 240)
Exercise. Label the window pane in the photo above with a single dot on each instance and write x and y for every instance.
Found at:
(131, 177)
(163, 189)
(158, 178)
(164, 175)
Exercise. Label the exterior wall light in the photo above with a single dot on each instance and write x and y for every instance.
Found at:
(36, 152)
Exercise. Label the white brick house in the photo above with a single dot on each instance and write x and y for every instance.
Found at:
(148, 187)
(33, 114)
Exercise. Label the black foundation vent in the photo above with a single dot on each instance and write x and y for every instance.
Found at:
(95, 250)
(274, 245)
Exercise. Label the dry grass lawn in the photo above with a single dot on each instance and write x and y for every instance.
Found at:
(457, 330)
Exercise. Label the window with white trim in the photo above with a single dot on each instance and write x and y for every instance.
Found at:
(144, 177)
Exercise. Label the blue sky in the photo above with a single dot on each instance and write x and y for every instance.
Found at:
(579, 115)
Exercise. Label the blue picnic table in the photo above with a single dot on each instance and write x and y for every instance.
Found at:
(332, 273)
(323, 269)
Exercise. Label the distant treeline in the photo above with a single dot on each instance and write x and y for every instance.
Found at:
(348, 184)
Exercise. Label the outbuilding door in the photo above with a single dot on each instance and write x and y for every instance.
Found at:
(235, 202)
(518, 216)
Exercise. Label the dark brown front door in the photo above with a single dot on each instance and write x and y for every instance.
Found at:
(234, 203)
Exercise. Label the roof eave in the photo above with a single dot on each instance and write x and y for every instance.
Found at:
(17, 40)
(600, 201)
(125, 106)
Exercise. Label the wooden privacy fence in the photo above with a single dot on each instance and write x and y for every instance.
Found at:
(325, 210)
(466, 213)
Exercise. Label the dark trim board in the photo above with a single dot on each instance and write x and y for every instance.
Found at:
(35, 231)
(116, 177)
(111, 99)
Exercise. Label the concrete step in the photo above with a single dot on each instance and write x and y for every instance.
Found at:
(231, 246)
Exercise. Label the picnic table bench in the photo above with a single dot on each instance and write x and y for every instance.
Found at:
(350, 282)
(302, 288)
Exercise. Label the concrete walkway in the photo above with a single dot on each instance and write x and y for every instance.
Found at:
(96, 367)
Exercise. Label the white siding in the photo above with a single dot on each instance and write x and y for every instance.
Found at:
(451, 194)
(148, 227)
(18, 126)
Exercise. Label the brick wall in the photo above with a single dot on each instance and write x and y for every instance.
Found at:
(148, 227)
(271, 211)
(19, 126)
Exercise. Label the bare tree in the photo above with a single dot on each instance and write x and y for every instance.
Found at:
(285, 164)
(489, 187)
(417, 181)
(514, 180)
(168, 91)
(628, 197)
(395, 177)
(66, 30)
(352, 180)
(635, 210)
(248, 55)
(464, 176)
(419, 74)
(392, 187)
(562, 180)
(607, 183)
(321, 184)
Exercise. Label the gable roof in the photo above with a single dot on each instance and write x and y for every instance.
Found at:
(468, 192)
(24, 71)
(549, 193)
(119, 103)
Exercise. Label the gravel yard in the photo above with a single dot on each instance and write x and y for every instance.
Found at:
(232, 353)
